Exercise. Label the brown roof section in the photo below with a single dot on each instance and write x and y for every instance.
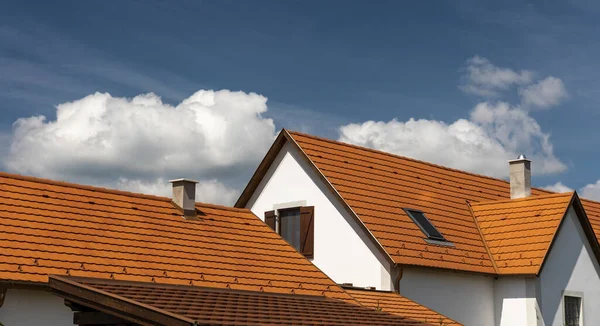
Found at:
(519, 232)
(376, 186)
(158, 304)
(65, 229)
(396, 304)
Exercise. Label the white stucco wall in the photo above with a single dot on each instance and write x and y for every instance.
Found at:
(570, 266)
(516, 302)
(34, 307)
(342, 249)
(466, 298)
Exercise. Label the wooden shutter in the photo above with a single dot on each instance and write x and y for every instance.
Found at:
(307, 230)
(270, 219)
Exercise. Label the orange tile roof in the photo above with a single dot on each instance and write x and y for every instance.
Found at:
(58, 228)
(394, 303)
(592, 210)
(377, 185)
(519, 232)
(192, 305)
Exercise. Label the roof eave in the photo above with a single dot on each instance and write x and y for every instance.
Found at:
(113, 304)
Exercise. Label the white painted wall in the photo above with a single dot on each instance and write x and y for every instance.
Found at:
(342, 249)
(34, 307)
(466, 298)
(570, 266)
(516, 302)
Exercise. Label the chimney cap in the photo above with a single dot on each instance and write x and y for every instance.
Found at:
(521, 158)
(183, 180)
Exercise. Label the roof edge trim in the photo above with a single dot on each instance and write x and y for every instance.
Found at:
(362, 225)
(262, 169)
(125, 308)
(588, 230)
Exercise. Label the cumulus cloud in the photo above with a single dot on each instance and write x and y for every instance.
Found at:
(136, 143)
(591, 191)
(558, 187)
(482, 78)
(493, 134)
(544, 94)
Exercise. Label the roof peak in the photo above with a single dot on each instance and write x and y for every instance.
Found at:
(530, 198)
(292, 132)
(393, 155)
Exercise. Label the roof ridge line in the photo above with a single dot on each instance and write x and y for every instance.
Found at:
(395, 155)
(223, 207)
(487, 248)
(525, 199)
(66, 184)
(410, 159)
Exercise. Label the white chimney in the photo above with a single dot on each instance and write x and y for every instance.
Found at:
(520, 177)
(184, 196)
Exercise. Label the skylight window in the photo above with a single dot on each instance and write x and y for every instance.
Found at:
(425, 225)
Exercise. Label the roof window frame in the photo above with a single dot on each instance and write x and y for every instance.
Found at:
(432, 239)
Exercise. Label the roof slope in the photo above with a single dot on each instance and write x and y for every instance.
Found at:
(592, 210)
(377, 186)
(157, 304)
(519, 232)
(58, 228)
(394, 303)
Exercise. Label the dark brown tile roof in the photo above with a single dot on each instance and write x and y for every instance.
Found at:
(51, 227)
(184, 305)
(394, 303)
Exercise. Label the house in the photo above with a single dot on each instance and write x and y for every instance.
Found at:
(73, 254)
(479, 250)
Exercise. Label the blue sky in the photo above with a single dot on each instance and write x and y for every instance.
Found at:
(321, 64)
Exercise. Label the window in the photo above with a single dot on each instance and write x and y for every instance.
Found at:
(295, 225)
(289, 226)
(572, 310)
(425, 225)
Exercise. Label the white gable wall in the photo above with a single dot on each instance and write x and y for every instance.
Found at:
(342, 249)
(34, 307)
(516, 301)
(466, 298)
(570, 266)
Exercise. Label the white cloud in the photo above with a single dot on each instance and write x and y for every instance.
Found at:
(544, 94)
(133, 143)
(485, 79)
(494, 134)
(558, 187)
(591, 191)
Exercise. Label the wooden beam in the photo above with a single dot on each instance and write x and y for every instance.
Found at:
(133, 311)
(77, 307)
(2, 295)
(97, 318)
